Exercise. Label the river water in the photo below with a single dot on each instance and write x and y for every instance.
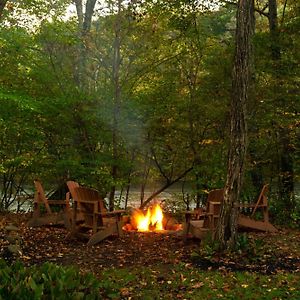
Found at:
(171, 199)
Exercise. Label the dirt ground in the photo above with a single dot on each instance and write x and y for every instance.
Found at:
(273, 252)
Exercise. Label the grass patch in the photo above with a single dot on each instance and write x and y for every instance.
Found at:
(183, 281)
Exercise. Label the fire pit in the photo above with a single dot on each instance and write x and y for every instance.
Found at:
(152, 220)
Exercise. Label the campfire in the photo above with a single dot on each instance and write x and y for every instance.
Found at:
(153, 220)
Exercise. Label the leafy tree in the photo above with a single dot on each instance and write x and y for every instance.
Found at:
(272, 125)
(22, 146)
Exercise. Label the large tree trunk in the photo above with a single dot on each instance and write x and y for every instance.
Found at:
(273, 27)
(84, 27)
(226, 232)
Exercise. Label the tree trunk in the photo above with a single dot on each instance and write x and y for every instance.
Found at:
(286, 164)
(2, 5)
(273, 27)
(84, 27)
(117, 102)
(226, 232)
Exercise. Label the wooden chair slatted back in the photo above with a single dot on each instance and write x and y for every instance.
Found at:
(217, 196)
(40, 196)
(85, 193)
(87, 203)
(262, 198)
(71, 186)
(84, 198)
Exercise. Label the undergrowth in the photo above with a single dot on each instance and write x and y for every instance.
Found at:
(178, 281)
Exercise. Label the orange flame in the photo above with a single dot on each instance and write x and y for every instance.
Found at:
(152, 221)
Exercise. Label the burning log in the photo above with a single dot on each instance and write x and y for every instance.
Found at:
(153, 220)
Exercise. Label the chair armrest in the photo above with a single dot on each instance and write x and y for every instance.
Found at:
(240, 205)
(111, 213)
(119, 211)
(57, 201)
(189, 213)
(87, 201)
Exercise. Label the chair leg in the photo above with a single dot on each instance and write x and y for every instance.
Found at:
(67, 216)
(102, 234)
(120, 225)
(186, 226)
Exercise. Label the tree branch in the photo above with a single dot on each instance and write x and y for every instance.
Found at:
(159, 166)
(283, 12)
(260, 11)
(168, 184)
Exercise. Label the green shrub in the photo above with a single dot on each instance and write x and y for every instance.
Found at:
(47, 281)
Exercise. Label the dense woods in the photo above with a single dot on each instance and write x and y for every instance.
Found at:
(123, 94)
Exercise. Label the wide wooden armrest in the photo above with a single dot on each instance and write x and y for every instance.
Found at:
(206, 214)
(87, 201)
(111, 213)
(120, 211)
(190, 212)
(56, 201)
(241, 205)
(195, 212)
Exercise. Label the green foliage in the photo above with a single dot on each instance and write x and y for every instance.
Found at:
(21, 143)
(17, 57)
(208, 247)
(50, 281)
(47, 281)
(282, 215)
(252, 249)
(175, 78)
(242, 242)
(295, 219)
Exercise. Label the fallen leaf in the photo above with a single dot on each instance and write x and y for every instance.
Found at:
(198, 285)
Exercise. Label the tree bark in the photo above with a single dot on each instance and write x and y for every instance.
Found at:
(226, 232)
(273, 27)
(2, 5)
(84, 27)
(117, 101)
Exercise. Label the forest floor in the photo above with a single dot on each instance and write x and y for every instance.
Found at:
(165, 264)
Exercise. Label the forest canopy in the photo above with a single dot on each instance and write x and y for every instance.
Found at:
(123, 94)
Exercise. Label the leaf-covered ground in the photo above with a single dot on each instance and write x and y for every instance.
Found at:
(141, 264)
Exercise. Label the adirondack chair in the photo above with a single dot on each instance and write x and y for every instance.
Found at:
(90, 215)
(46, 211)
(201, 221)
(198, 224)
(250, 222)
